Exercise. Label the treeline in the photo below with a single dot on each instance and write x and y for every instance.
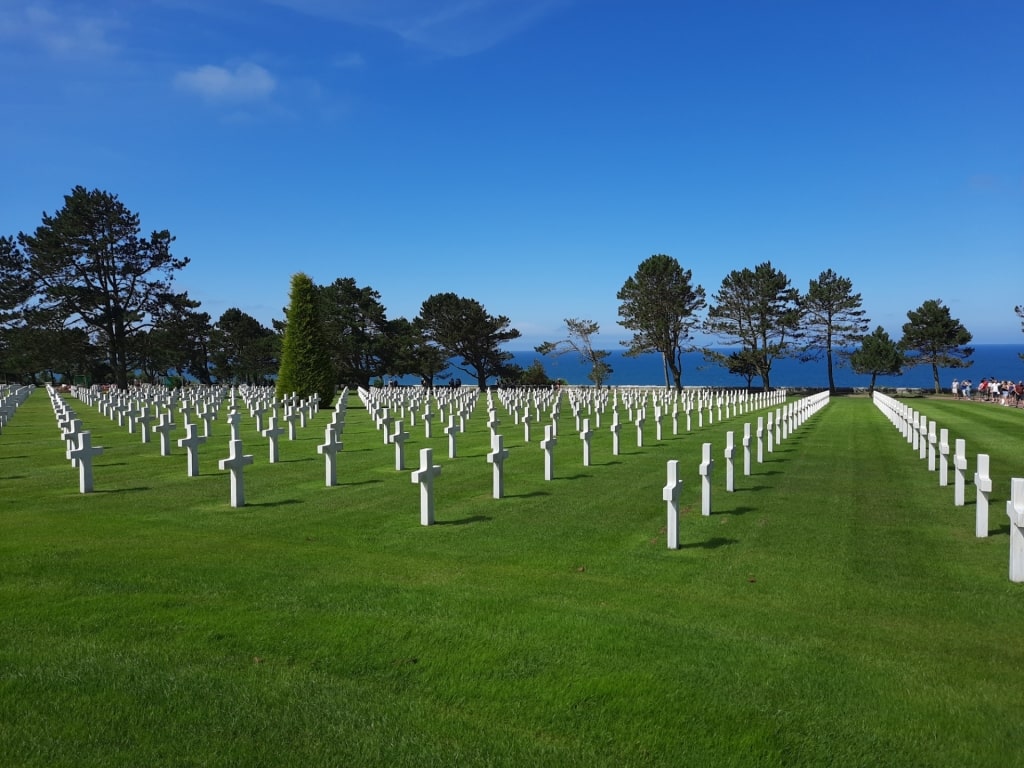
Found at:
(87, 295)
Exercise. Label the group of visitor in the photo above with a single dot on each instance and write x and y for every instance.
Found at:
(991, 390)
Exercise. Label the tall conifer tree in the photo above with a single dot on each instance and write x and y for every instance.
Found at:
(306, 367)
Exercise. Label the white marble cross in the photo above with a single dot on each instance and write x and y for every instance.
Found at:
(585, 435)
(191, 443)
(670, 494)
(746, 449)
(164, 429)
(760, 439)
(943, 457)
(548, 446)
(706, 468)
(615, 429)
(84, 454)
(235, 463)
(329, 450)
(497, 457)
(144, 420)
(933, 440)
(452, 430)
(730, 463)
(983, 484)
(1015, 511)
(234, 420)
(424, 477)
(960, 472)
(399, 437)
(272, 433)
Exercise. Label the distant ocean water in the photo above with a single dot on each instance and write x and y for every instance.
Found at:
(1001, 361)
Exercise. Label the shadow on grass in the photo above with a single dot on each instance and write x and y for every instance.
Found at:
(282, 503)
(372, 481)
(123, 490)
(737, 511)
(465, 521)
(715, 543)
(530, 495)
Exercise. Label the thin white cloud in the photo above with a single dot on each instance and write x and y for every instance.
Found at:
(349, 61)
(448, 27)
(66, 34)
(246, 82)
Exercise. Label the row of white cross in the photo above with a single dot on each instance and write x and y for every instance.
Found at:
(459, 404)
(932, 443)
(11, 397)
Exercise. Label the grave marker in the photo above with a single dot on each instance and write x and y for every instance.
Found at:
(670, 494)
(960, 472)
(424, 477)
(1015, 511)
(191, 443)
(497, 457)
(235, 463)
(84, 454)
(548, 446)
(706, 468)
(329, 450)
(983, 483)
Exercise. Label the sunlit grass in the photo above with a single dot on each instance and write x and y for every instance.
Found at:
(835, 610)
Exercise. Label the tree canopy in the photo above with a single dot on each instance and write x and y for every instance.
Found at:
(580, 341)
(833, 320)
(932, 336)
(89, 266)
(659, 304)
(463, 329)
(878, 355)
(759, 310)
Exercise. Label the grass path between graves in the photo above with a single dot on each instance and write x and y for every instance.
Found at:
(835, 610)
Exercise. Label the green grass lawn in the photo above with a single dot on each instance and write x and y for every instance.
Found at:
(836, 609)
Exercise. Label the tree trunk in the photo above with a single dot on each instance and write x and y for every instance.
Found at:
(935, 373)
(831, 378)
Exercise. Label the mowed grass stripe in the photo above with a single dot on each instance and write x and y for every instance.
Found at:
(836, 609)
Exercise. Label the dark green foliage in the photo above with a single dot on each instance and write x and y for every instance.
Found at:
(659, 304)
(306, 367)
(89, 266)
(463, 329)
(579, 341)
(932, 336)
(363, 343)
(759, 310)
(878, 355)
(15, 284)
(833, 320)
(243, 350)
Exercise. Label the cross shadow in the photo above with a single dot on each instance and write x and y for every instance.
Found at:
(124, 490)
(737, 511)
(529, 495)
(465, 521)
(714, 543)
(371, 481)
(281, 503)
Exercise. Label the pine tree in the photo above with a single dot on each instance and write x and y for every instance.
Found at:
(306, 366)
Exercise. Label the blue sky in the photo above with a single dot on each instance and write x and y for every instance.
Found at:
(531, 153)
